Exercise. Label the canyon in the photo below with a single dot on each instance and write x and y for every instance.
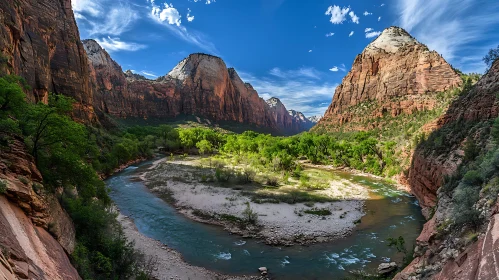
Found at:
(394, 75)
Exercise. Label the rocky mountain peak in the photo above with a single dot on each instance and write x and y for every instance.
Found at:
(95, 52)
(274, 102)
(315, 119)
(130, 75)
(198, 63)
(391, 40)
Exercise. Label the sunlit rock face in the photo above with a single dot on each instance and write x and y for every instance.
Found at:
(394, 75)
(41, 43)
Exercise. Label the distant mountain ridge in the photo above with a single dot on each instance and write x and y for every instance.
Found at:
(200, 85)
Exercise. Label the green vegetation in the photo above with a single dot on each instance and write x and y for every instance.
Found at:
(68, 154)
(491, 56)
(3, 187)
(318, 211)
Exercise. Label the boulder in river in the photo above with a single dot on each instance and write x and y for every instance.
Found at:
(263, 270)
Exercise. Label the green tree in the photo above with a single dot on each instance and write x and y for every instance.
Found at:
(204, 147)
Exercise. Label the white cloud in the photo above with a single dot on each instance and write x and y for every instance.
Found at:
(351, 34)
(338, 15)
(115, 44)
(207, 1)
(379, 18)
(338, 68)
(145, 73)
(189, 17)
(304, 72)
(103, 17)
(451, 29)
(366, 13)
(87, 6)
(171, 19)
(382, 5)
(355, 18)
(372, 34)
(329, 34)
(297, 93)
(309, 51)
(368, 30)
(167, 14)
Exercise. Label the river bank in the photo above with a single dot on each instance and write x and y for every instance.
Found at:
(277, 223)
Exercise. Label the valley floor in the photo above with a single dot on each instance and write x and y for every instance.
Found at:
(331, 213)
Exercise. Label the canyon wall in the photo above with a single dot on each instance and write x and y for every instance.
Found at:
(442, 252)
(200, 85)
(39, 41)
(394, 74)
(35, 233)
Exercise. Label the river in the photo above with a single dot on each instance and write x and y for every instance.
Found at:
(389, 213)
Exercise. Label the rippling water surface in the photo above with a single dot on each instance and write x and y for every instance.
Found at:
(390, 213)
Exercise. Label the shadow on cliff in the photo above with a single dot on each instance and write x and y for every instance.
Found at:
(469, 117)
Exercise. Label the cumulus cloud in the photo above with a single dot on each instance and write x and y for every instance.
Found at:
(379, 18)
(368, 30)
(207, 1)
(451, 29)
(351, 34)
(338, 15)
(167, 14)
(298, 93)
(330, 34)
(189, 17)
(334, 69)
(372, 34)
(170, 17)
(355, 18)
(366, 13)
(115, 44)
(309, 51)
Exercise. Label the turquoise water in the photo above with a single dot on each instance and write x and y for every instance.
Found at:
(389, 213)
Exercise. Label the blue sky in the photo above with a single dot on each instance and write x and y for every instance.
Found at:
(296, 50)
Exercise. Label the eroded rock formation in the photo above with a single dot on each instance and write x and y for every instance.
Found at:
(393, 75)
(288, 121)
(39, 41)
(27, 215)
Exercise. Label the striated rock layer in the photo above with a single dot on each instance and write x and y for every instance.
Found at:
(444, 255)
(39, 41)
(393, 75)
(200, 85)
(26, 218)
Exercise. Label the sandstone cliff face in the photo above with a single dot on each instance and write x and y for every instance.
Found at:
(40, 42)
(393, 75)
(200, 85)
(448, 256)
(27, 214)
(289, 121)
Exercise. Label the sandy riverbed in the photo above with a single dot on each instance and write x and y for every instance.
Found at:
(278, 223)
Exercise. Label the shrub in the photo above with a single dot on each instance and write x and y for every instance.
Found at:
(272, 181)
(246, 176)
(249, 216)
(23, 179)
(465, 197)
(223, 175)
(3, 187)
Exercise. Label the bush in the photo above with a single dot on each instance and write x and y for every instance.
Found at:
(223, 175)
(465, 197)
(272, 181)
(249, 216)
(3, 187)
(246, 176)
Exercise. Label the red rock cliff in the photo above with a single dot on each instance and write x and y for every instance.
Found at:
(25, 215)
(40, 42)
(200, 85)
(392, 76)
(289, 121)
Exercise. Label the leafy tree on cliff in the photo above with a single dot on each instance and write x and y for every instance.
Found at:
(491, 56)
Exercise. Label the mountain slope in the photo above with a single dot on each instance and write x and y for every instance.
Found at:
(394, 75)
